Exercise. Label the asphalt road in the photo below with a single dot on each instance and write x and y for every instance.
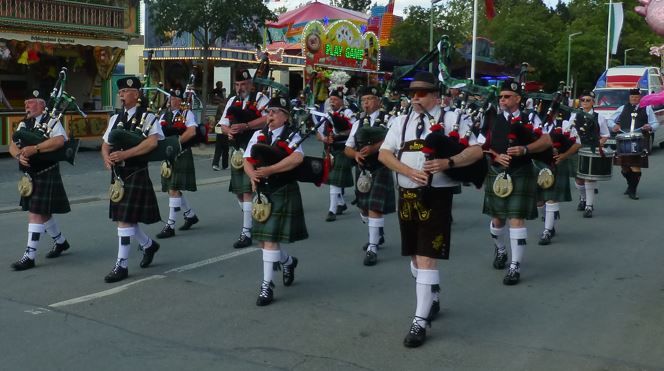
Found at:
(592, 300)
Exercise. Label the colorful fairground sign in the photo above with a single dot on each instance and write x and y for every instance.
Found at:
(340, 44)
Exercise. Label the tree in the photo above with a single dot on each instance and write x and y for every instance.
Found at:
(280, 10)
(358, 5)
(203, 19)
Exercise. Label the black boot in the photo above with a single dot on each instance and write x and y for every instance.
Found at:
(23, 263)
(57, 249)
(188, 222)
(266, 295)
(289, 272)
(416, 335)
(118, 273)
(166, 232)
(148, 254)
(636, 177)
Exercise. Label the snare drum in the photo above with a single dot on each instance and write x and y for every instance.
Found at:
(630, 144)
(592, 166)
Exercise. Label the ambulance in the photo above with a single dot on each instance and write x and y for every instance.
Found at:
(612, 91)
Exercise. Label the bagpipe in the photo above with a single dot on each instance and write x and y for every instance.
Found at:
(368, 135)
(126, 135)
(338, 126)
(59, 102)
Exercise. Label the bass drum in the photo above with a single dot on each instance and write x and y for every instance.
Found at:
(593, 166)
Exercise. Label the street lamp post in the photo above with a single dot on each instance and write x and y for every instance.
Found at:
(625, 57)
(433, 2)
(569, 52)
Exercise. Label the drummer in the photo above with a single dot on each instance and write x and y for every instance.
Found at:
(645, 121)
(587, 187)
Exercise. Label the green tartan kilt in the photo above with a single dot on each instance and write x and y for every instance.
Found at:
(381, 197)
(139, 204)
(341, 174)
(183, 175)
(286, 222)
(48, 194)
(521, 204)
(240, 182)
(573, 162)
(560, 190)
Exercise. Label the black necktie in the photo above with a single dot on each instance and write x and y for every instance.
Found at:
(269, 136)
(420, 127)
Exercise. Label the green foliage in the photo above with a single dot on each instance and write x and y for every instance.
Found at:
(359, 5)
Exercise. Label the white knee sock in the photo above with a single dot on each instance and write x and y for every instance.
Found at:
(51, 227)
(340, 199)
(413, 270)
(124, 244)
(497, 236)
(518, 238)
(582, 191)
(142, 238)
(174, 204)
(269, 258)
(285, 259)
(188, 211)
(335, 193)
(374, 232)
(365, 219)
(425, 279)
(550, 218)
(34, 234)
(540, 210)
(247, 222)
(590, 193)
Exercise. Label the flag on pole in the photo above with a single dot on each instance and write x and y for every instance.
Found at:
(490, 9)
(615, 25)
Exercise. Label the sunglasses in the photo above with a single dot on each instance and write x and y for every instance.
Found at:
(507, 96)
(419, 94)
(586, 99)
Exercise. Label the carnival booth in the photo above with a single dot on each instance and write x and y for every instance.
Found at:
(339, 45)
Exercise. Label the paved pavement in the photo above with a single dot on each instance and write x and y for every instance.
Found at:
(590, 301)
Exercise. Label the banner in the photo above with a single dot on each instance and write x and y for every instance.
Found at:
(615, 25)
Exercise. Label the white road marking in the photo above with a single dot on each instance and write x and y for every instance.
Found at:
(104, 293)
(37, 311)
(216, 259)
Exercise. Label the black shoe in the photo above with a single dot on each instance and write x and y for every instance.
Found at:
(596, 191)
(581, 206)
(545, 239)
(148, 254)
(371, 258)
(23, 264)
(435, 309)
(266, 295)
(341, 209)
(57, 249)
(330, 217)
(633, 195)
(499, 259)
(242, 242)
(380, 242)
(117, 274)
(553, 232)
(416, 336)
(188, 222)
(167, 232)
(588, 212)
(512, 276)
(289, 272)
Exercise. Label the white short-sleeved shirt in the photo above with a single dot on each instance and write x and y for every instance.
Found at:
(275, 136)
(150, 118)
(603, 124)
(343, 112)
(532, 117)
(356, 123)
(190, 118)
(261, 102)
(56, 131)
(416, 159)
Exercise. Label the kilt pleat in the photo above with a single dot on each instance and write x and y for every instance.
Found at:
(521, 204)
(240, 182)
(341, 174)
(139, 204)
(183, 176)
(381, 197)
(48, 193)
(286, 222)
(573, 162)
(560, 190)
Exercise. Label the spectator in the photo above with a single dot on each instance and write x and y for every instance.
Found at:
(218, 94)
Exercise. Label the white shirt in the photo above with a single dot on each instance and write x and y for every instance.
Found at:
(652, 119)
(275, 136)
(603, 123)
(416, 160)
(150, 118)
(261, 103)
(56, 131)
(190, 119)
(356, 123)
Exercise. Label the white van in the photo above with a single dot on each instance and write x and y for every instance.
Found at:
(612, 91)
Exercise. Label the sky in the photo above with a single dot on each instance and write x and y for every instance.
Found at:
(399, 5)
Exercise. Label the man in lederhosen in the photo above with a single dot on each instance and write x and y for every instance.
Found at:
(48, 193)
(335, 135)
(128, 165)
(244, 113)
(588, 188)
(285, 222)
(566, 143)
(621, 121)
(182, 175)
(511, 153)
(362, 145)
(425, 197)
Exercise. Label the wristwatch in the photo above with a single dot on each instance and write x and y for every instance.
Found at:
(525, 150)
(37, 148)
(450, 162)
